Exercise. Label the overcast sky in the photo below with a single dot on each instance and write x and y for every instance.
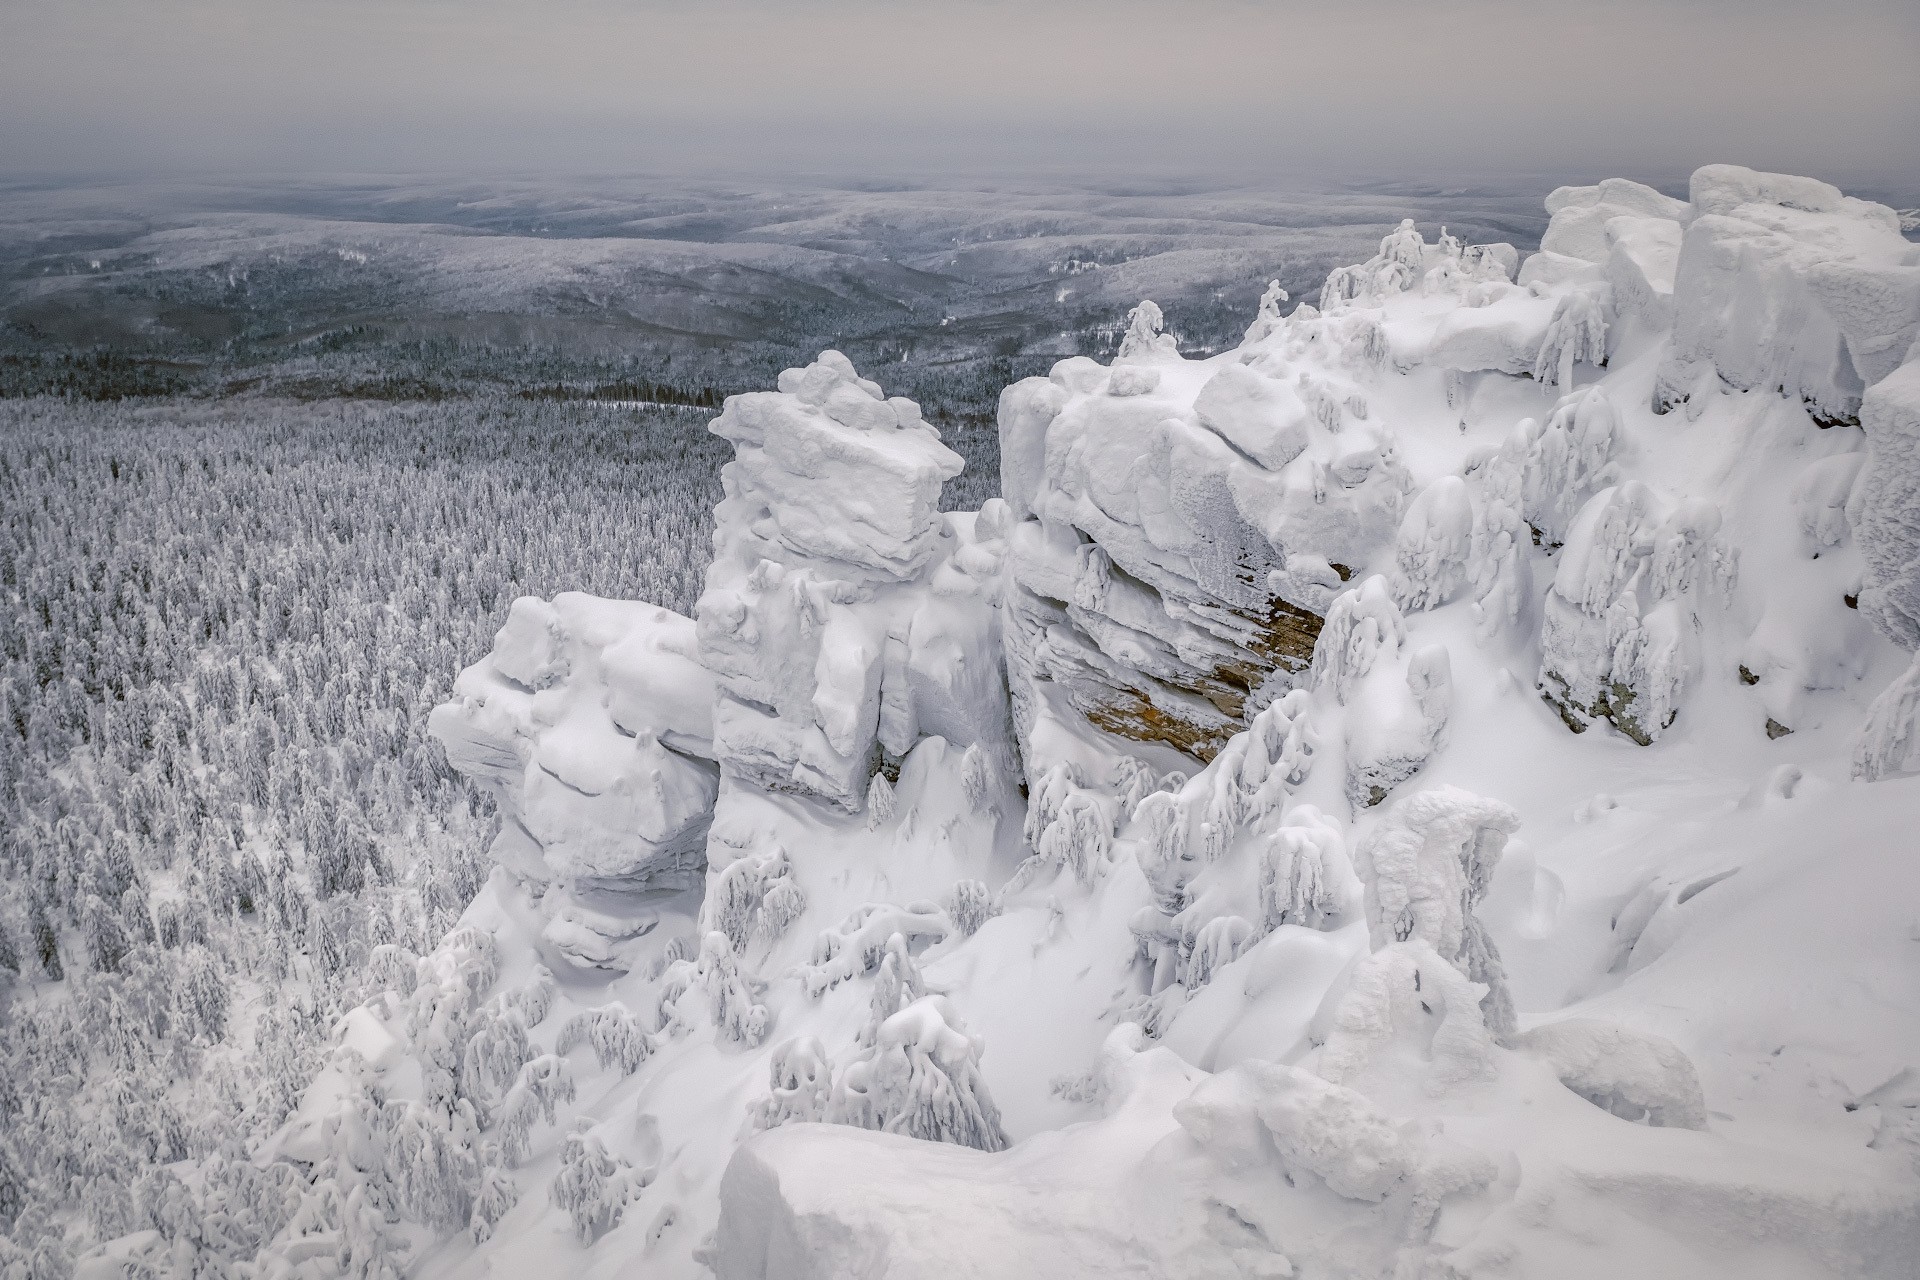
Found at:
(1228, 87)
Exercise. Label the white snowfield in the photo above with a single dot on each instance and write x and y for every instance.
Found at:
(1428, 793)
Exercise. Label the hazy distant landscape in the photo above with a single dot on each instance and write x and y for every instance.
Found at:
(409, 290)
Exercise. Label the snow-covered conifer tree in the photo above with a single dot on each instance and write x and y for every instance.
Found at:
(593, 1187)
(971, 904)
(799, 1084)
(617, 1037)
(879, 802)
(922, 1079)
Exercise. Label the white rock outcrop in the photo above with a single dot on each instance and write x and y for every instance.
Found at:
(829, 619)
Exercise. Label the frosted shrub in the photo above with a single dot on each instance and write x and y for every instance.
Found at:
(1620, 629)
(494, 1056)
(1360, 623)
(1578, 331)
(392, 967)
(897, 983)
(1298, 870)
(1267, 319)
(534, 999)
(859, 943)
(1220, 941)
(429, 1162)
(977, 778)
(1077, 836)
(494, 1198)
(1143, 338)
(1131, 782)
(1889, 741)
(542, 1086)
(1044, 802)
(1434, 544)
(879, 802)
(1161, 845)
(755, 897)
(736, 1013)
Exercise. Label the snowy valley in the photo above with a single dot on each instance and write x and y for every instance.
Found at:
(1428, 791)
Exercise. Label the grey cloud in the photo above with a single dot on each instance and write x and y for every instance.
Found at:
(861, 85)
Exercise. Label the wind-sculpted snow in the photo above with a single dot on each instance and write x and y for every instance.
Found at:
(1384, 801)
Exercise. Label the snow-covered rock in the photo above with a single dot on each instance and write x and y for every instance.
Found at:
(835, 631)
(1643, 256)
(1785, 284)
(1581, 217)
(1426, 869)
(591, 722)
(1889, 511)
(1183, 538)
(1631, 1074)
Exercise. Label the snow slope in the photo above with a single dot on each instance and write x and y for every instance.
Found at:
(1428, 792)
